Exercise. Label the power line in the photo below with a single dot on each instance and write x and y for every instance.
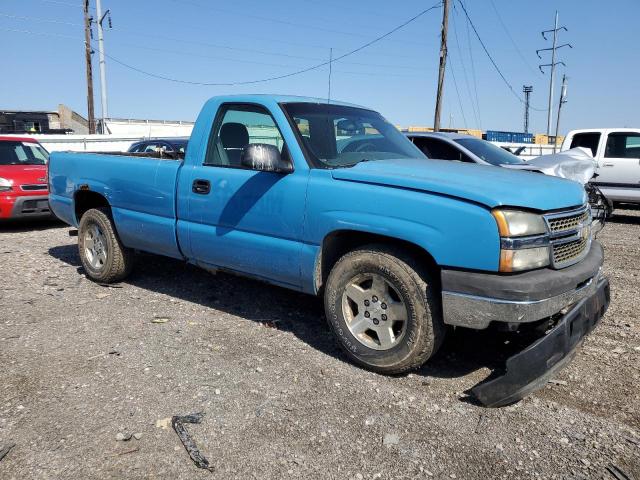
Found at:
(241, 49)
(493, 62)
(464, 71)
(276, 77)
(455, 84)
(39, 20)
(275, 20)
(506, 30)
(128, 45)
(44, 34)
(473, 73)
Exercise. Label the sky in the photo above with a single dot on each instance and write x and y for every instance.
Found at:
(215, 41)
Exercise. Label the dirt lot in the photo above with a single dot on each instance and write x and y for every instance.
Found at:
(81, 363)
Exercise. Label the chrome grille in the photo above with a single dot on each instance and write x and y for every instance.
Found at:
(34, 187)
(571, 222)
(564, 253)
(570, 236)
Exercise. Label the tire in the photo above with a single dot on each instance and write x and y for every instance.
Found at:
(104, 258)
(412, 341)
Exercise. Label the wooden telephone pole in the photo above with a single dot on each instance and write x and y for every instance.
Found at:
(443, 63)
(87, 51)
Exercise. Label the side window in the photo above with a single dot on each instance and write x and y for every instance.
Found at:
(236, 127)
(587, 140)
(623, 145)
(439, 150)
(151, 147)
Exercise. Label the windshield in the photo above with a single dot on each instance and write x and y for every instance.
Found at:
(489, 152)
(22, 153)
(339, 136)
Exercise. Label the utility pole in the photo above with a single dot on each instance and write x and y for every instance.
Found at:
(553, 64)
(103, 74)
(527, 93)
(563, 100)
(87, 52)
(443, 63)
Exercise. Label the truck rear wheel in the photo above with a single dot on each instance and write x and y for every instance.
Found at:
(383, 309)
(104, 258)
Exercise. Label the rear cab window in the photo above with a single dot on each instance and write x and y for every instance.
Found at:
(588, 140)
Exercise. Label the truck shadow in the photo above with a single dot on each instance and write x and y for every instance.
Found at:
(625, 216)
(27, 225)
(464, 351)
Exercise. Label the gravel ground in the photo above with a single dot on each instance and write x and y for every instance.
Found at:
(84, 365)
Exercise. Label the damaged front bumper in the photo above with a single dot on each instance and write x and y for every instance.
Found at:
(574, 298)
(530, 369)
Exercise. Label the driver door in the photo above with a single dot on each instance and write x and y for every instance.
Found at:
(241, 219)
(619, 164)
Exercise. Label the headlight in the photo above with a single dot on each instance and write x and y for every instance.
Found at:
(5, 185)
(523, 241)
(514, 223)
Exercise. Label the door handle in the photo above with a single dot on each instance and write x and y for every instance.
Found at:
(607, 164)
(201, 187)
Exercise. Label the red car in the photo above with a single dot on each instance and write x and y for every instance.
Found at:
(24, 192)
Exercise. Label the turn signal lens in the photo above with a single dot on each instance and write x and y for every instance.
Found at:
(525, 259)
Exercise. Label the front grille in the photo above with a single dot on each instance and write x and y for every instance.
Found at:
(570, 236)
(35, 187)
(564, 253)
(563, 224)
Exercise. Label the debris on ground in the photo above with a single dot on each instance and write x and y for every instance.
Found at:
(177, 422)
(391, 439)
(4, 450)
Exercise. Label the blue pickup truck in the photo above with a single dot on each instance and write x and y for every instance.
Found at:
(330, 199)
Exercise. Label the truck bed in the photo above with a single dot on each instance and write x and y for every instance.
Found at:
(141, 190)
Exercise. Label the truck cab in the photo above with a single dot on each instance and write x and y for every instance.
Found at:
(617, 152)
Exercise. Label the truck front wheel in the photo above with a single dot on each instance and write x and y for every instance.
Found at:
(383, 309)
(104, 258)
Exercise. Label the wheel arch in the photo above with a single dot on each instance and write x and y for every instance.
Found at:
(84, 200)
(339, 242)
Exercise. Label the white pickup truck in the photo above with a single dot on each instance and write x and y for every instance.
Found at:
(617, 151)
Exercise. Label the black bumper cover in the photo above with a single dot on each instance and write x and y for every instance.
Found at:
(530, 369)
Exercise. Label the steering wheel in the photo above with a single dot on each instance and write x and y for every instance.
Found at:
(366, 147)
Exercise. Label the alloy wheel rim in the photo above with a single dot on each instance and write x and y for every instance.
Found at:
(95, 247)
(375, 313)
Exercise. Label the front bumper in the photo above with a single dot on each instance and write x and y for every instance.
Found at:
(475, 300)
(536, 364)
(25, 207)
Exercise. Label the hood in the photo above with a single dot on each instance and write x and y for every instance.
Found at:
(576, 164)
(483, 184)
(24, 174)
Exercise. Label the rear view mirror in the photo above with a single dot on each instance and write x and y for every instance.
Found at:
(264, 158)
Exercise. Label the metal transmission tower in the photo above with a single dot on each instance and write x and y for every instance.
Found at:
(527, 92)
(553, 64)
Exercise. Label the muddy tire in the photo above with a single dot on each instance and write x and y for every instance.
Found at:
(384, 309)
(104, 258)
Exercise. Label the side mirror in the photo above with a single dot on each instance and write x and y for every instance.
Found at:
(264, 158)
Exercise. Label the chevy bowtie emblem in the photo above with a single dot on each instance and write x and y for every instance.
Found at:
(42, 179)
